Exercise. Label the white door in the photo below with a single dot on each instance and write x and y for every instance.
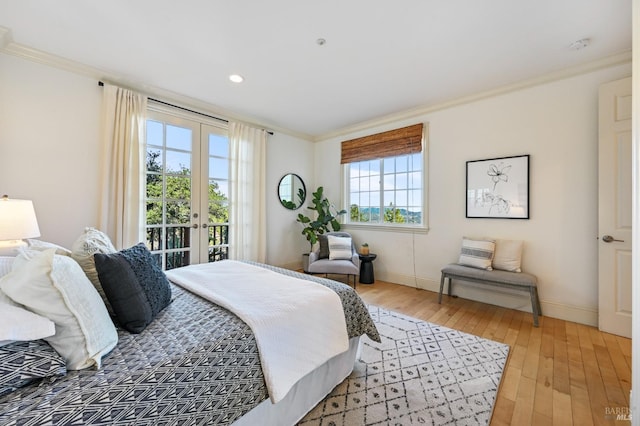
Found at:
(187, 205)
(614, 223)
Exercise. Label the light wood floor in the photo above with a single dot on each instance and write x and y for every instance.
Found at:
(561, 373)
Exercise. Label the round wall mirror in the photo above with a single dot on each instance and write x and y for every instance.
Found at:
(291, 191)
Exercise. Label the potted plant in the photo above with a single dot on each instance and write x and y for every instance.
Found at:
(364, 249)
(326, 219)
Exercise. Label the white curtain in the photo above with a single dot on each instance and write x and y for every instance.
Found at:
(123, 166)
(247, 222)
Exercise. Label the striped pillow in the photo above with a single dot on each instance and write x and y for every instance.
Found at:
(477, 253)
(339, 247)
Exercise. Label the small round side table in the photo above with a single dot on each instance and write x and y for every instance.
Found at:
(366, 268)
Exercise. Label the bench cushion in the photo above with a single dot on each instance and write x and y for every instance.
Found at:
(504, 277)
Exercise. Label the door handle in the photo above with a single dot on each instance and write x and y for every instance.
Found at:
(194, 226)
(609, 239)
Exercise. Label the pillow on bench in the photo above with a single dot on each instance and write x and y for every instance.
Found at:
(477, 253)
(508, 255)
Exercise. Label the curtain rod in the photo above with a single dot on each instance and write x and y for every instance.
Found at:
(101, 84)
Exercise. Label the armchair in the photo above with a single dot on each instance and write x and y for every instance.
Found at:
(320, 263)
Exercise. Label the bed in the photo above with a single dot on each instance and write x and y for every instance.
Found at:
(195, 363)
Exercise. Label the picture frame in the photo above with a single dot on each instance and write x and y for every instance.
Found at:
(498, 188)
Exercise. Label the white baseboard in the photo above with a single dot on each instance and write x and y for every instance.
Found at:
(579, 314)
(294, 266)
(512, 299)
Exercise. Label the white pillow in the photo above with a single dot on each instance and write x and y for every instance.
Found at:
(56, 287)
(5, 265)
(19, 324)
(6, 262)
(508, 255)
(477, 253)
(90, 242)
(40, 245)
(339, 247)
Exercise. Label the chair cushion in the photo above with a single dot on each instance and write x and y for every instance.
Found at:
(326, 266)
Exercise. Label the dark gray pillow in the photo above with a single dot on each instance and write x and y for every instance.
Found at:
(135, 286)
(324, 247)
(22, 363)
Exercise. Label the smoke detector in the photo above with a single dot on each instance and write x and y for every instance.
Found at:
(579, 44)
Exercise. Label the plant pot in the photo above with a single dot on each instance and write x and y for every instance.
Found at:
(305, 262)
(364, 251)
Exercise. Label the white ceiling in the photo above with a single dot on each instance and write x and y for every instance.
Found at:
(380, 57)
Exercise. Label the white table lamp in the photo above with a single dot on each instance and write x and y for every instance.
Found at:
(17, 221)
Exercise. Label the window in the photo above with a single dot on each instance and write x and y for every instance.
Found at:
(187, 190)
(387, 190)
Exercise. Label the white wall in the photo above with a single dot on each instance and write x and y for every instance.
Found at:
(49, 147)
(49, 127)
(286, 244)
(556, 124)
(49, 132)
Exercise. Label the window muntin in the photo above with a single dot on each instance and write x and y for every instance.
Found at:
(386, 191)
(218, 196)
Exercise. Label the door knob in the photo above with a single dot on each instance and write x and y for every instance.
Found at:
(609, 239)
(194, 226)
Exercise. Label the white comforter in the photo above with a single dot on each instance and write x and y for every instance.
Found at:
(298, 324)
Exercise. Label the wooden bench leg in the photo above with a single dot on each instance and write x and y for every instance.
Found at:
(533, 292)
(442, 287)
(535, 304)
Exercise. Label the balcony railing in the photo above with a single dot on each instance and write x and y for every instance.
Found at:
(176, 244)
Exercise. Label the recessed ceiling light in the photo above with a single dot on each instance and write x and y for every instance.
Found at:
(236, 78)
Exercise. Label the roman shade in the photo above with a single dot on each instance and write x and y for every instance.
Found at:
(407, 140)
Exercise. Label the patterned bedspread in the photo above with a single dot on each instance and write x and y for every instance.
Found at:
(197, 363)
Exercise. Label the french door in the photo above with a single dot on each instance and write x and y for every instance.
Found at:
(187, 190)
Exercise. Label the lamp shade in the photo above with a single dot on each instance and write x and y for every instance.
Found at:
(17, 220)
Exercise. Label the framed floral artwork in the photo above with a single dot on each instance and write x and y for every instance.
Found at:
(498, 188)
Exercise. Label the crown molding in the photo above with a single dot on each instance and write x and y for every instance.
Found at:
(7, 45)
(5, 37)
(609, 61)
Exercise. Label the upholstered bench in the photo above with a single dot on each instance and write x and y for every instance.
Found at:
(516, 280)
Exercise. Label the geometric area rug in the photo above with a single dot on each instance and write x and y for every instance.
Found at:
(421, 374)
